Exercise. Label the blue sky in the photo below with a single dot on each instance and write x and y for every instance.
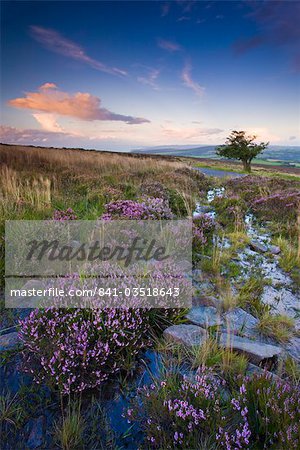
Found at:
(121, 75)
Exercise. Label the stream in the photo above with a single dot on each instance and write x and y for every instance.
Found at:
(279, 294)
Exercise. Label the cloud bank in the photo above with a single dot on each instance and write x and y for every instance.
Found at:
(80, 105)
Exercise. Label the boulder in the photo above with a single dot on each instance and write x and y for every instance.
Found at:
(240, 322)
(186, 334)
(256, 352)
(204, 316)
(9, 341)
(258, 246)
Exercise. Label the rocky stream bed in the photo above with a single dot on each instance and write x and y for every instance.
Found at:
(237, 329)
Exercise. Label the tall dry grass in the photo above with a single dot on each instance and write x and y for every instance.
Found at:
(13, 188)
(80, 161)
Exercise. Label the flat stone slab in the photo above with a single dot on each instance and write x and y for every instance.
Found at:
(204, 316)
(9, 341)
(255, 351)
(239, 321)
(258, 246)
(189, 335)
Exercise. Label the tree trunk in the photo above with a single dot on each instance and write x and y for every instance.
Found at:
(247, 166)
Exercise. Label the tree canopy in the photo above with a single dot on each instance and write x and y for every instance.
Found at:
(241, 146)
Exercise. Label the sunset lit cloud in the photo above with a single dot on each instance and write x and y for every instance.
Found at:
(80, 105)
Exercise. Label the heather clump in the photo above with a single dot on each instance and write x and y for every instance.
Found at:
(274, 411)
(149, 208)
(280, 206)
(155, 189)
(79, 349)
(63, 215)
(203, 228)
(180, 412)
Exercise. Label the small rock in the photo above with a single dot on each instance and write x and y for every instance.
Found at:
(204, 316)
(188, 335)
(258, 246)
(9, 341)
(274, 249)
(239, 321)
(255, 351)
(35, 439)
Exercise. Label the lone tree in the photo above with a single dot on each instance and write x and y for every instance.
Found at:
(242, 147)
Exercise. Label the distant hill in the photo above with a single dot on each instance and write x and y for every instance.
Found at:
(275, 154)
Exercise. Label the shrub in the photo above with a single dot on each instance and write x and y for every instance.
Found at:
(203, 228)
(272, 206)
(61, 216)
(78, 349)
(274, 412)
(148, 208)
(179, 412)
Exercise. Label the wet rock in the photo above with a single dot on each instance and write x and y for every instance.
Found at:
(274, 249)
(256, 352)
(204, 316)
(258, 246)
(9, 341)
(239, 321)
(35, 439)
(188, 335)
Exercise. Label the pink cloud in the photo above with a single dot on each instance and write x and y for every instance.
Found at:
(80, 105)
(169, 45)
(55, 42)
(48, 122)
(190, 83)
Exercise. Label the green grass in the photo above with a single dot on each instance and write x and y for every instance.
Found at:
(279, 327)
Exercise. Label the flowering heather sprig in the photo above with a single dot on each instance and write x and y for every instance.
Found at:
(61, 216)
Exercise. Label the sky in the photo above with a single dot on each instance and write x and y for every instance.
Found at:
(132, 74)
